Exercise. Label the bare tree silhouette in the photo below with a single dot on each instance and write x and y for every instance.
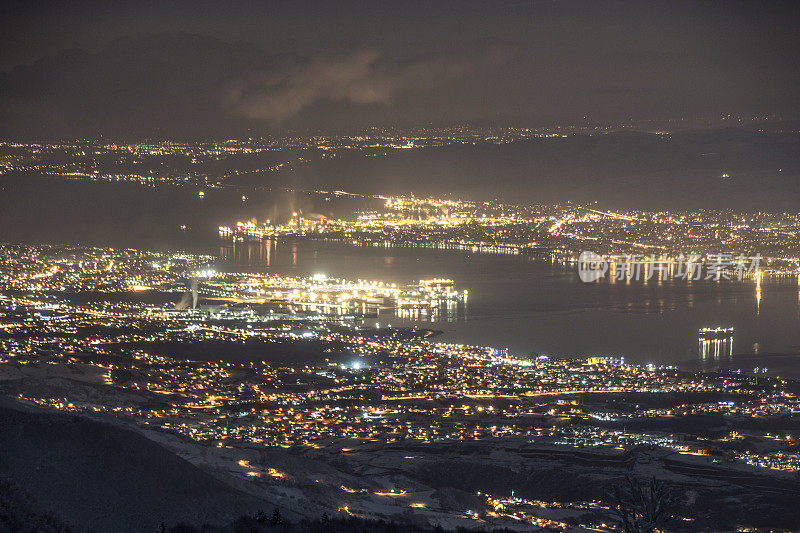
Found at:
(641, 506)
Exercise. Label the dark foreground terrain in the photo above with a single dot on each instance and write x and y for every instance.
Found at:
(87, 475)
(63, 472)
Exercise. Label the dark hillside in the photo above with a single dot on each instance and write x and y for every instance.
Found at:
(99, 477)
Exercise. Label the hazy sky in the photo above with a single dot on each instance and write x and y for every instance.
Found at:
(203, 68)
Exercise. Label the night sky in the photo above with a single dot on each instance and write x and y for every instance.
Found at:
(211, 69)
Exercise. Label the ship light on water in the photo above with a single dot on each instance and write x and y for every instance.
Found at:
(715, 333)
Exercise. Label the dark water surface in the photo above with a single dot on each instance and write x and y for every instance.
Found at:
(537, 307)
(531, 307)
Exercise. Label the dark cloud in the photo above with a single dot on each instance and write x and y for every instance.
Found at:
(176, 84)
(362, 77)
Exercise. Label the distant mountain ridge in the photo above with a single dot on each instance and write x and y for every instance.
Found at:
(140, 83)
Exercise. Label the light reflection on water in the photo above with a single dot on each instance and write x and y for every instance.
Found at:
(538, 307)
(282, 258)
(530, 307)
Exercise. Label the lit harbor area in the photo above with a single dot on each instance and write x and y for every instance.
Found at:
(555, 231)
(189, 288)
(233, 295)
